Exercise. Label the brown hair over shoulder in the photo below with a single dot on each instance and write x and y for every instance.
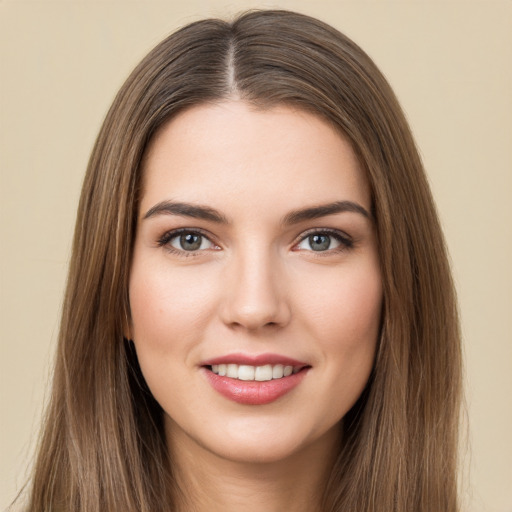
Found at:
(103, 446)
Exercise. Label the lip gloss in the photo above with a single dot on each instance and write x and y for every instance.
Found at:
(253, 392)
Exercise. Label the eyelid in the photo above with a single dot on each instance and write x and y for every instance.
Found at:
(345, 240)
(164, 241)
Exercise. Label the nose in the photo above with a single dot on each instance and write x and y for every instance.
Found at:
(255, 294)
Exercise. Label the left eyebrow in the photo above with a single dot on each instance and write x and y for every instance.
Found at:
(323, 210)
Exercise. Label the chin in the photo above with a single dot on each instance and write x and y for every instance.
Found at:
(258, 451)
(267, 443)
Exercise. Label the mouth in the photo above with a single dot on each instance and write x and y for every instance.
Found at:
(254, 380)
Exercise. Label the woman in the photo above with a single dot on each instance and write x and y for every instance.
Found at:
(259, 312)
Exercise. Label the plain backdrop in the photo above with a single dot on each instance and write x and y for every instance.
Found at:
(450, 63)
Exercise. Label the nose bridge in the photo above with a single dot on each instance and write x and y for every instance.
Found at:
(255, 295)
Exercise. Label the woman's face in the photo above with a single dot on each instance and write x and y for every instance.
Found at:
(255, 288)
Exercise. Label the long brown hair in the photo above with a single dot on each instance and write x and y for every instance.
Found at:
(103, 446)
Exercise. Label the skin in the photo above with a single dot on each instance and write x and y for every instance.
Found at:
(255, 286)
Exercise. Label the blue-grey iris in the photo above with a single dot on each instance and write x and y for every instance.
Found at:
(319, 242)
(190, 242)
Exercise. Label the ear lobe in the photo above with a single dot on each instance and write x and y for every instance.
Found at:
(127, 326)
(127, 333)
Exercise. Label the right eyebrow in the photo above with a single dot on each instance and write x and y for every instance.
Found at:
(186, 210)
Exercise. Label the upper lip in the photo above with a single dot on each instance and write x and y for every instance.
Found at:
(254, 360)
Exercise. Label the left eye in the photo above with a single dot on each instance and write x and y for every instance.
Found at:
(190, 241)
(320, 242)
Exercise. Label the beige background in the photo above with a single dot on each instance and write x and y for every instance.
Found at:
(450, 63)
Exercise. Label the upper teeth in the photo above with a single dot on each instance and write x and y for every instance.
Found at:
(260, 373)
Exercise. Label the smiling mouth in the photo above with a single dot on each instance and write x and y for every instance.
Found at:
(267, 379)
(255, 373)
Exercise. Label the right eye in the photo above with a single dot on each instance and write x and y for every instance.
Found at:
(186, 241)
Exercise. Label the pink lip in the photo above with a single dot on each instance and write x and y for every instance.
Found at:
(254, 392)
(256, 360)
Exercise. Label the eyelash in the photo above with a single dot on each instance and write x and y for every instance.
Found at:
(166, 238)
(346, 243)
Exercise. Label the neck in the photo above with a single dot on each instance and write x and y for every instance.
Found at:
(207, 482)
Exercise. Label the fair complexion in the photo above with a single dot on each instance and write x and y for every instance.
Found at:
(255, 248)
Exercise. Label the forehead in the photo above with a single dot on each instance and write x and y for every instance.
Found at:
(230, 150)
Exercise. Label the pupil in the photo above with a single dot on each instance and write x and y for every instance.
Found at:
(319, 242)
(190, 242)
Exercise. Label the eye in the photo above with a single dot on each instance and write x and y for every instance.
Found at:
(322, 241)
(186, 241)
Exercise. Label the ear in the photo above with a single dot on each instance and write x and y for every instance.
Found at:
(127, 326)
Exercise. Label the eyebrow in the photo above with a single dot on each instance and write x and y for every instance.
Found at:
(294, 217)
(186, 210)
(323, 210)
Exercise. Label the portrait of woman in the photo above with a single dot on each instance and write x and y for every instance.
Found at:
(259, 312)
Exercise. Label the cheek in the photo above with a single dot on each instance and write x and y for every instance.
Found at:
(341, 316)
(167, 307)
(352, 323)
(169, 313)
(346, 308)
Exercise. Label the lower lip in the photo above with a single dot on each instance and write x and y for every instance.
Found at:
(254, 392)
